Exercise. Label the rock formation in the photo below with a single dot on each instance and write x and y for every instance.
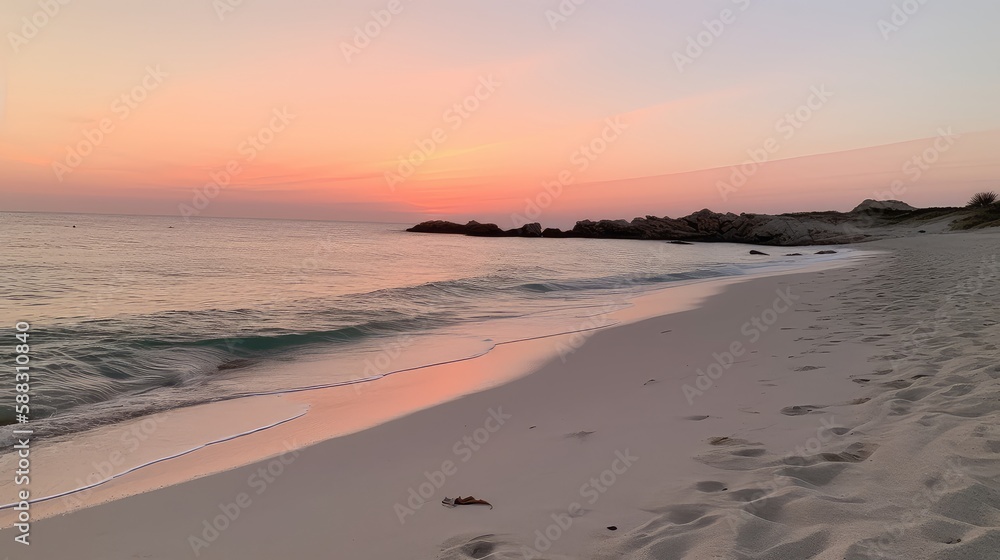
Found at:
(870, 220)
(893, 205)
(476, 229)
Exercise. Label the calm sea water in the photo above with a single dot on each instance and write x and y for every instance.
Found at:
(133, 315)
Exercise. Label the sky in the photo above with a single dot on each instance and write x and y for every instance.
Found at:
(507, 111)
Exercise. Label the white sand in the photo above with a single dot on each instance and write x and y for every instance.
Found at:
(837, 434)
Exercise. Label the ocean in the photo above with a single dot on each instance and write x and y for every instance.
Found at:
(132, 315)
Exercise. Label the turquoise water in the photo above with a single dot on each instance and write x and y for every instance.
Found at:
(132, 315)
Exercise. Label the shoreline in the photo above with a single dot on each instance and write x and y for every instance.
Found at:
(458, 315)
(813, 440)
(120, 467)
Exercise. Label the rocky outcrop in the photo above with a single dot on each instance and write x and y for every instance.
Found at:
(476, 229)
(705, 226)
(530, 230)
(883, 205)
(870, 220)
(439, 226)
(708, 226)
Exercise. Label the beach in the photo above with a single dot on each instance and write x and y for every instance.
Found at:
(848, 412)
(480, 280)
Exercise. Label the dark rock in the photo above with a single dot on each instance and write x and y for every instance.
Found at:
(477, 229)
(883, 206)
(756, 252)
(530, 230)
(826, 253)
(679, 243)
(871, 220)
(794, 255)
(607, 229)
(438, 226)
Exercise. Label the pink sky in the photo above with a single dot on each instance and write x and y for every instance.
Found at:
(503, 109)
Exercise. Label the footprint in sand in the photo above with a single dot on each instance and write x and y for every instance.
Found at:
(818, 475)
(914, 394)
(854, 453)
(579, 435)
(959, 390)
(710, 487)
(750, 452)
(735, 454)
(800, 410)
(482, 546)
(898, 384)
(725, 440)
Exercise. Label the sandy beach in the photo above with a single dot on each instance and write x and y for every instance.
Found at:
(846, 413)
(497, 280)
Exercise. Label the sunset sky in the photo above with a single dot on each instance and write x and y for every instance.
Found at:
(313, 104)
